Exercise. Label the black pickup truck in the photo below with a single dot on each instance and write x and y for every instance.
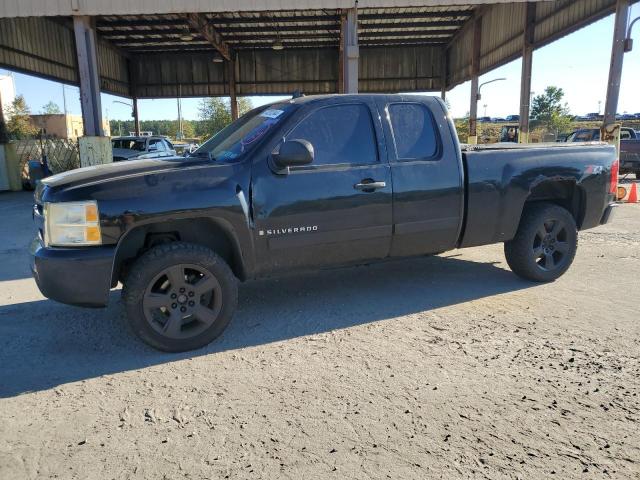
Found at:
(306, 184)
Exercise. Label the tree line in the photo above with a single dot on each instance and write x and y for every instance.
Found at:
(213, 115)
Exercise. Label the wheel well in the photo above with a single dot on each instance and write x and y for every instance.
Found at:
(201, 231)
(565, 194)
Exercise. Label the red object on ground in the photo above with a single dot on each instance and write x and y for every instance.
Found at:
(633, 194)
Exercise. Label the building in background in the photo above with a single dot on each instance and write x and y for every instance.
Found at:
(59, 125)
(7, 91)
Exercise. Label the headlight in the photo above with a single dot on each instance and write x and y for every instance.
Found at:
(70, 224)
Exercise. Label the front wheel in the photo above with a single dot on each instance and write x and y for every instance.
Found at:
(179, 296)
(545, 243)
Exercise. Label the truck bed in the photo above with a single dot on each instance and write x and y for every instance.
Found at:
(500, 178)
(466, 147)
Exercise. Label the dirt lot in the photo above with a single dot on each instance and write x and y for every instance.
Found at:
(442, 367)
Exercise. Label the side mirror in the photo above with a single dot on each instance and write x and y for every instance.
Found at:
(293, 153)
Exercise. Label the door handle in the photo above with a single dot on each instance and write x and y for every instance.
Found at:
(369, 185)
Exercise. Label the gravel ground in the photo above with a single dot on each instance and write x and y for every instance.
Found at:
(441, 367)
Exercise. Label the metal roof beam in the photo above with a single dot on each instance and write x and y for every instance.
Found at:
(363, 27)
(206, 48)
(266, 19)
(267, 40)
(200, 23)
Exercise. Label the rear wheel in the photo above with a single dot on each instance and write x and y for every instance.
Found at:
(179, 296)
(545, 244)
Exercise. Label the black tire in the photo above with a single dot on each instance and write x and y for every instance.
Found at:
(545, 244)
(179, 296)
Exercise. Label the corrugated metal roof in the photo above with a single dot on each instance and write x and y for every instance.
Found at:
(266, 72)
(309, 28)
(402, 44)
(503, 27)
(37, 46)
(28, 8)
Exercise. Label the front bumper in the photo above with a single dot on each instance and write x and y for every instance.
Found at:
(76, 276)
(608, 214)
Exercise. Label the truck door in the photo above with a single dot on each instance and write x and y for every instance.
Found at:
(334, 211)
(426, 167)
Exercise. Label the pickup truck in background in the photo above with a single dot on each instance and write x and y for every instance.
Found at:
(629, 146)
(308, 183)
(144, 146)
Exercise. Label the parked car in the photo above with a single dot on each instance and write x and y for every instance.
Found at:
(513, 118)
(498, 120)
(306, 184)
(136, 148)
(629, 146)
(593, 135)
(485, 119)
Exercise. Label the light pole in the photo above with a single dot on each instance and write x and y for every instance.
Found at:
(133, 114)
(479, 95)
(473, 114)
(628, 41)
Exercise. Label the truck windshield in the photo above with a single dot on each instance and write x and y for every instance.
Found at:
(237, 138)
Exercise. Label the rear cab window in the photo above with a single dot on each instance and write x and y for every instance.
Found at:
(414, 132)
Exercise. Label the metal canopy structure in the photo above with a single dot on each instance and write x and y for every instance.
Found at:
(194, 48)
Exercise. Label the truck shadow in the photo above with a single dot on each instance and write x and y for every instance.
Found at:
(45, 344)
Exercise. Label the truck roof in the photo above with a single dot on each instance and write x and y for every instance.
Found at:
(351, 96)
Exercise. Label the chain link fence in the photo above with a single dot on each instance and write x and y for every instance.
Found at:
(62, 154)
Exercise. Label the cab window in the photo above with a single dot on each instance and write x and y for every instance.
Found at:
(414, 131)
(340, 134)
(157, 145)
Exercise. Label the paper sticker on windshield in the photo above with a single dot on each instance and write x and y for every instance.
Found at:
(272, 113)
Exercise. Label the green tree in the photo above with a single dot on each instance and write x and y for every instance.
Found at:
(19, 124)
(188, 129)
(215, 114)
(244, 105)
(549, 111)
(50, 108)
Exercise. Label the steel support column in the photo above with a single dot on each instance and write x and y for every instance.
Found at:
(4, 134)
(475, 69)
(615, 67)
(351, 52)
(86, 51)
(443, 75)
(231, 69)
(136, 117)
(527, 64)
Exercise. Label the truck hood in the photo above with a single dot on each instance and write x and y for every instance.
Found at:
(114, 171)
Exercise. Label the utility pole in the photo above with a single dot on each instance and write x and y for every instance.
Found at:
(180, 135)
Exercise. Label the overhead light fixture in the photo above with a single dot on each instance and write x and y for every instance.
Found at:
(277, 45)
(186, 35)
(217, 58)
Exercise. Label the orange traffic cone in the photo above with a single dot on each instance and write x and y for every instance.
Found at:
(633, 194)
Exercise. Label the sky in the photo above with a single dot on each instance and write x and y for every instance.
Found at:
(577, 63)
